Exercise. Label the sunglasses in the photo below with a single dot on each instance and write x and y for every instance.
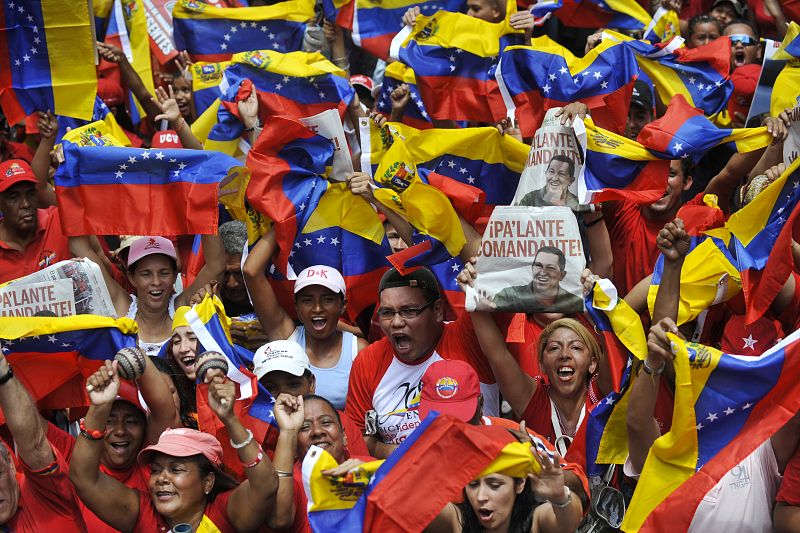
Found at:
(746, 40)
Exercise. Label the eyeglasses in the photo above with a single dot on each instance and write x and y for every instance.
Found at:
(746, 40)
(406, 313)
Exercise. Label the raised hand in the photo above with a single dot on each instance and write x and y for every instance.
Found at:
(549, 483)
(673, 241)
(468, 274)
(400, 96)
(111, 53)
(378, 118)
(360, 184)
(168, 105)
(103, 385)
(289, 412)
(522, 20)
(570, 111)
(47, 124)
(659, 347)
(410, 16)
(221, 395)
(210, 289)
(248, 110)
(588, 280)
(183, 62)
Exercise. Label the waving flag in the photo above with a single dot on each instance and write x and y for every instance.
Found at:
(442, 452)
(206, 78)
(374, 25)
(664, 26)
(101, 112)
(716, 423)
(533, 79)
(46, 58)
(414, 114)
(685, 132)
(296, 85)
(790, 46)
(752, 252)
(454, 57)
(127, 29)
(101, 10)
(215, 34)
(160, 190)
(477, 168)
(617, 167)
(786, 90)
(616, 14)
(701, 75)
(59, 353)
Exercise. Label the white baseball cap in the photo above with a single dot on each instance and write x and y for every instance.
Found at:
(287, 356)
(323, 275)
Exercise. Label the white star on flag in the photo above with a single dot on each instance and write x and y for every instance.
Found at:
(552, 77)
(227, 36)
(451, 164)
(728, 411)
(678, 147)
(272, 36)
(597, 75)
(546, 88)
(132, 159)
(334, 241)
(51, 338)
(159, 155)
(691, 80)
(123, 166)
(320, 239)
(471, 179)
(454, 267)
(118, 174)
(145, 155)
(700, 86)
(182, 165)
(234, 29)
(749, 342)
(307, 242)
(302, 206)
(462, 170)
(604, 85)
(286, 79)
(748, 405)
(563, 70)
(243, 24)
(223, 46)
(26, 57)
(711, 417)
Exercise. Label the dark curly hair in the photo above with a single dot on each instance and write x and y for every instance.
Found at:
(521, 512)
(184, 387)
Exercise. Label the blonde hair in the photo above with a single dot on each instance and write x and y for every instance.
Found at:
(576, 327)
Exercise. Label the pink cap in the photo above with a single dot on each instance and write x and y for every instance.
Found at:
(145, 246)
(323, 275)
(184, 442)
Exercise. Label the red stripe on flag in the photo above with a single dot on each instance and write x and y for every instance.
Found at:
(457, 98)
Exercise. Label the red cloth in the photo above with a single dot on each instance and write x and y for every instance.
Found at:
(149, 520)
(537, 414)
(458, 342)
(12, 150)
(47, 501)
(789, 492)
(48, 247)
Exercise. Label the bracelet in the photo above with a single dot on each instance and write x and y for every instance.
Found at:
(257, 460)
(653, 371)
(7, 376)
(91, 434)
(247, 441)
(566, 502)
(281, 473)
(593, 222)
(253, 127)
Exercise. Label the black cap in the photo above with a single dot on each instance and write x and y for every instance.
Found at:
(421, 278)
(642, 94)
(736, 4)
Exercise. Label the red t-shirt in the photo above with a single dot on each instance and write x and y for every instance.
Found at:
(789, 492)
(47, 500)
(380, 381)
(48, 247)
(215, 514)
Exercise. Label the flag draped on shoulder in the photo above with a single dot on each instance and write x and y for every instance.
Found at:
(46, 58)
(54, 356)
(716, 423)
(414, 113)
(215, 33)
(533, 79)
(160, 190)
(373, 25)
(442, 452)
(750, 253)
(454, 57)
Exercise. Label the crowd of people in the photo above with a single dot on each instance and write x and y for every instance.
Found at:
(139, 458)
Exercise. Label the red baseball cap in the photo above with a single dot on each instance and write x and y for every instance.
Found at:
(166, 139)
(745, 81)
(110, 92)
(450, 387)
(15, 171)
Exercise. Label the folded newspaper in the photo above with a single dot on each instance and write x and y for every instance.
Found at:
(47, 292)
(530, 261)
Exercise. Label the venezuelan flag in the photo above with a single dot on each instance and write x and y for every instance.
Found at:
(786, 90)
(54, 356)
(374, 24)
(162, 190)
(477, 168)
(127, 29)
(615, 14)
(295, 85)
(414, 114)
(454, 57)
(535, 78)
(101, 10)
(790, 46)
(685, 132)
(101, 112)
(215, 34)
(442, 452)
(701, 75)
(716, 423)
(664, 26)
(206, 78)
(46, 58)
(617, 167)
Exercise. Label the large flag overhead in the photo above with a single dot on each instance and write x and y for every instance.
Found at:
(751, 252)
(374, 24)
(214, 34)
(54, 356)
(716, 423)
(46, 58)
(533, 79)
(454, 57)
(160, 190)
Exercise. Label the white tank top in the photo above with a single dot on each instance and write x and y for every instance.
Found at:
(332, 382)
(150, 348)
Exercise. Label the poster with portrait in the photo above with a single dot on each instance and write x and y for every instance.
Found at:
(530, 261)
(554, 164)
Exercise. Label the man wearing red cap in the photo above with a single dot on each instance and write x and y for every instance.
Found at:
(30, 238)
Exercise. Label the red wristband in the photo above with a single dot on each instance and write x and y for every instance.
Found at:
(91, 434)
(257, 460)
